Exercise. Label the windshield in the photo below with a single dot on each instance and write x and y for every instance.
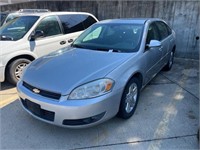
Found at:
(111, 37)
(17, 28)
(11, 17)
(2, 18)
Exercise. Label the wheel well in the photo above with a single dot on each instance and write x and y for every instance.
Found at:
(139, 76)
(29, 57)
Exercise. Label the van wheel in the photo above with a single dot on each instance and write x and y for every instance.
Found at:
(129, 99)
(170, 62)
(15, 69)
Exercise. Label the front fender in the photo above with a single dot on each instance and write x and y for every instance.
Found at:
(123, 73)
(7, 57)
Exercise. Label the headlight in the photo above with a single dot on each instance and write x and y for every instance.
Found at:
(92, 89)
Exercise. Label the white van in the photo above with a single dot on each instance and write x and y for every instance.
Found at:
(12, 15)
(33, 35)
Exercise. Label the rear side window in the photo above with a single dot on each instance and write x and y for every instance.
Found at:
(163, 30)
(169, 30)
(74, 23)
(49, 26)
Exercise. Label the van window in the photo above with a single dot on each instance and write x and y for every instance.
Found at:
(71, 23)
(74, 23)
(17, 28)
(89, 20)
(50, 26)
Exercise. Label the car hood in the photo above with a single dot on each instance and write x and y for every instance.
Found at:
(68, 68)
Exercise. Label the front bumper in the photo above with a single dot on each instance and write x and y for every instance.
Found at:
(2, 73)
(70, 113)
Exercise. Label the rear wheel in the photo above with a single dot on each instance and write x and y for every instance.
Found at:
(168, 66)
(15, 69)
(129, 99)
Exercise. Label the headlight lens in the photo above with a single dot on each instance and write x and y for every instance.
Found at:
(92, 89)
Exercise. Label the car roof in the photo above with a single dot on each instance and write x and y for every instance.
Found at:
(48, 13)
(129, 20)
(4, 13)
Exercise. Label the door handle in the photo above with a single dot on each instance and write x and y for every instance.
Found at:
(70, 40)
(62, 42)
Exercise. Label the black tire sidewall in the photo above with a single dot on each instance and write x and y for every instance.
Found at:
(10, 73)
(122, 112)
(168, 66)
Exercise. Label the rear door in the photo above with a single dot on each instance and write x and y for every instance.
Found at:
(165, 40)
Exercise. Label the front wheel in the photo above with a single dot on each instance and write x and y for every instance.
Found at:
(15, 69)
(129, 99)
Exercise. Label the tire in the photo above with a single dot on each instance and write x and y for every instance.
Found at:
(14, 70)
(168, 66)
(129, 99)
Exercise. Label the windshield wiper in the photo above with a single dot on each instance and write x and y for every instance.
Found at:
(96, 48)
(114, 50)
(109, 50)
(77, 46)
(6, 38)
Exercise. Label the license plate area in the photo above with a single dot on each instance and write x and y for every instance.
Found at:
(33, 107)
(37, 110)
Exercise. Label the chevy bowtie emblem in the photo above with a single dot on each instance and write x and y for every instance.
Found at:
(37, 91)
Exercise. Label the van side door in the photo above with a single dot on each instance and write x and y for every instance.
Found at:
(59, 31)
(51, 38)
(74, 24)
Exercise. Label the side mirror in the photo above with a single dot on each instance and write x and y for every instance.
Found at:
(36, 34)
(154, 43)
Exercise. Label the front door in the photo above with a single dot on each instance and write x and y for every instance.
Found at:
(152, 55)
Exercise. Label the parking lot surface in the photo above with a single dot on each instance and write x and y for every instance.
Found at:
(167, 117)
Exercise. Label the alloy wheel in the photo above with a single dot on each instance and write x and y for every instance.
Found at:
(131, 97)
(19, 69)
(171, 59)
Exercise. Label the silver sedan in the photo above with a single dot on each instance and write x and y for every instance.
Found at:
(100, 75)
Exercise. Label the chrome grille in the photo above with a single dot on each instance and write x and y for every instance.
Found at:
(42, 92)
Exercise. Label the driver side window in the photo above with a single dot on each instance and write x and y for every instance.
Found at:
(152, 34)
(49, 26)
